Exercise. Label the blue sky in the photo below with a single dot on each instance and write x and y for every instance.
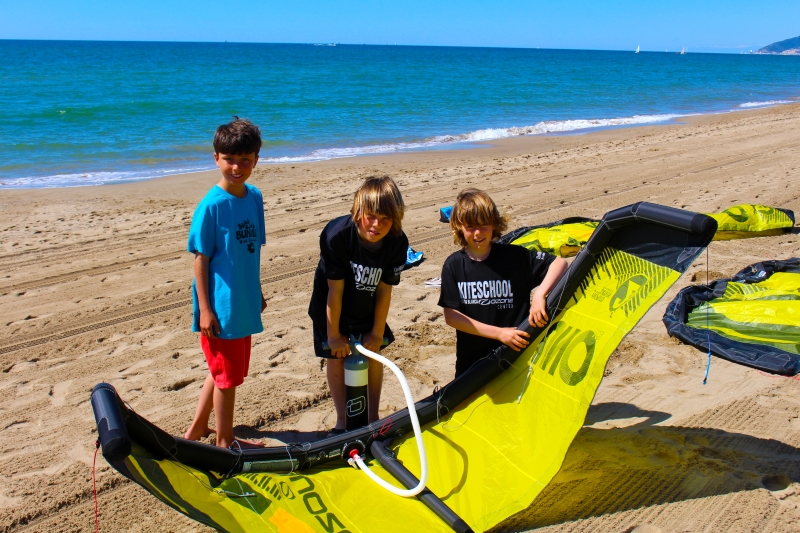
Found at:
(701, 26)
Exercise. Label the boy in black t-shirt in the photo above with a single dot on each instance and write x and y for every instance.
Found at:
(361, 257)
(486, 287)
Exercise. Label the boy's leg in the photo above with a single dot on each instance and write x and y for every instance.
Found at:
(336, 385)
(374, 389)
(199, 427)
(224, 400)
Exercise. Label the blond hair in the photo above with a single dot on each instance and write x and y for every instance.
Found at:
(379, 195)
(474, 207)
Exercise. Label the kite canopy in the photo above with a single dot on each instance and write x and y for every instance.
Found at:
(752, 220)
(752, 318)
(563, 238)
(494, 437)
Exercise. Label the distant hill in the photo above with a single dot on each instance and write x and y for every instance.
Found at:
(787, 47)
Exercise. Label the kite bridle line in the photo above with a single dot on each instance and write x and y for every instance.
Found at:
(356, 459)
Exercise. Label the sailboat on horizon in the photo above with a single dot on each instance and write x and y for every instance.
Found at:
(637, 50)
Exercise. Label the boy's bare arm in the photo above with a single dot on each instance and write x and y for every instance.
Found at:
(511, 337)
(209, 326)
(333, 311)
(383, 297)
(538, 315)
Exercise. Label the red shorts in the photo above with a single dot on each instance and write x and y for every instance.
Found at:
(228, 360)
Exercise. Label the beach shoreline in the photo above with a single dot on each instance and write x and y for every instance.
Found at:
(95, 284)
(468, 141)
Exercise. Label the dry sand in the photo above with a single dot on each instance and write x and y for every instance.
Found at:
(95, 286)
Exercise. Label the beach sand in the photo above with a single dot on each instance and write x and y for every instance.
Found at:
(95, 286)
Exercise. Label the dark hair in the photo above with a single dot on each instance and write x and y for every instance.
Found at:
(237, 137)
(379, 195)
(474, 207)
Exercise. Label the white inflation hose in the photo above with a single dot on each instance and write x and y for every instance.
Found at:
(412, 413)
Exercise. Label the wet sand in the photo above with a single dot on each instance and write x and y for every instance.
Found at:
(95, 286)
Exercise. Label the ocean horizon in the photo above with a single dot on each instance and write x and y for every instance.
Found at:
(78, 113)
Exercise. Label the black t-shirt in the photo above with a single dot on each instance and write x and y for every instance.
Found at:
(495, 291)
(342, 256)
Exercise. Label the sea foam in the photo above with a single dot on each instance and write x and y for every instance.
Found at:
(490, 134)
(767, 103)
(86, 179)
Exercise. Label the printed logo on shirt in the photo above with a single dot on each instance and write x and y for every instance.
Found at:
(494, 292)
(367, 278)
(246, 234)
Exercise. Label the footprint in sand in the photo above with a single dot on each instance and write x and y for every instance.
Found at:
(273, 374)
(137, 366)
(82, 454)
(6, 502)
(300, 394)
(645, 528)
(161, 341)
(120, 349)
(46, 472)
(59, 392)
(19, 424)
(22, 367)
(311, 421)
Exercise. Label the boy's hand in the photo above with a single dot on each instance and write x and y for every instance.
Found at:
(513, 338)
(538, 316)
(209, 325)
(372, 342)
(339, 346)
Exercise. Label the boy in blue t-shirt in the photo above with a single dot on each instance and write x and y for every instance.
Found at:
(226, 236)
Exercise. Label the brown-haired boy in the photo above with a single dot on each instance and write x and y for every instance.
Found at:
(486, 286)
(361, 257)
(226, 237)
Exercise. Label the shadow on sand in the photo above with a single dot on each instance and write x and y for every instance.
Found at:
(617, 468)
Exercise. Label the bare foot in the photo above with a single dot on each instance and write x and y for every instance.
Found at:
(246, 444)
(199, 433)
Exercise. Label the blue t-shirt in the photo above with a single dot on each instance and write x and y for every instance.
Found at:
(230, 231)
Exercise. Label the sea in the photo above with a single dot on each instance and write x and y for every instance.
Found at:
(80, 113)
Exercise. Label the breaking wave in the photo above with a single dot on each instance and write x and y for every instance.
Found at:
(767, 103)
(550, 126)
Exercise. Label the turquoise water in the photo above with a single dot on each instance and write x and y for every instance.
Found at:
(85, 113)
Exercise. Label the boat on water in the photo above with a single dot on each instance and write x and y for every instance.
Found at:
(637, 50)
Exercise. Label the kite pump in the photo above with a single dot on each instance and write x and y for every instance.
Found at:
(356, 380)
(358, 368)
(356, 385)
(355, 455)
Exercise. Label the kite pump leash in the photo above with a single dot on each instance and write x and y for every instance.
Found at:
(356, 459)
